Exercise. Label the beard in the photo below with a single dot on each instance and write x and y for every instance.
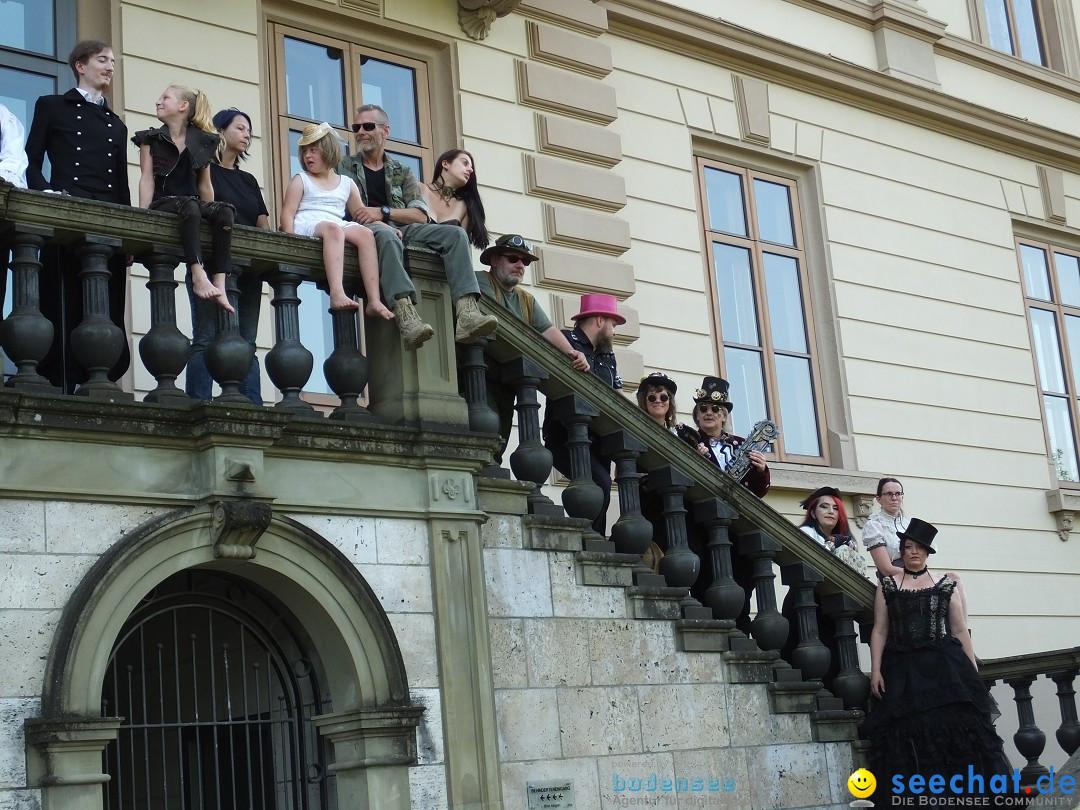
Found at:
(506, 278)
(602, 343)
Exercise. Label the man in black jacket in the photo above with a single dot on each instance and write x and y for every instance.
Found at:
(594, 328)
(86, 144)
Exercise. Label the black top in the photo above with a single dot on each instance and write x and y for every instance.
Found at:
(917, 618)
(175, 172)
(602, 364)
(85, 145)
(242, 190)
(376, 187)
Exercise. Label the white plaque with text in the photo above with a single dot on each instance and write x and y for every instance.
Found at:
(550, 795)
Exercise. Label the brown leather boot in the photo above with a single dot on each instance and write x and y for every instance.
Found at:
(414, 332)
(471, 322)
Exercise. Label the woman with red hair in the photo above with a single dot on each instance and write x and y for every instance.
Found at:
(827, 523)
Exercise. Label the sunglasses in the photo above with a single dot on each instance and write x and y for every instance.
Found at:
(367, 126)
(705, 407)
(514, 258)
(658, 397)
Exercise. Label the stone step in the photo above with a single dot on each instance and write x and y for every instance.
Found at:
(704, 635)
(836, 725)
(656, 602)
(751, 666)
(608, 568)
(790, 697)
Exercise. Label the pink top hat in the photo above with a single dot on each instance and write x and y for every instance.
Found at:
(600, 304)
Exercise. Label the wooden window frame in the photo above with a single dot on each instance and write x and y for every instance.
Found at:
(1057, 31)
(1059, 310)
(756, 248)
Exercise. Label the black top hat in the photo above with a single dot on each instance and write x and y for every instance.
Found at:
(817, 493)
(509, 243)
(657, 379)
(921, 532)
(714, 389)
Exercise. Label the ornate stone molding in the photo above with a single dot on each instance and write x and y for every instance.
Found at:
(863, 504)
(477, 16)
(236, 527)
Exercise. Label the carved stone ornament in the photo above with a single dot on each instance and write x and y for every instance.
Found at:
(863, 505)
(236, 527)
(1064, 524)
(477, 16)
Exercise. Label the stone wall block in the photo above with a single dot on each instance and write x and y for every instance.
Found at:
(584, 272)
(25, 638)
(400, 588)
(582, 770)
(22, 526)
(41, 581)
(568, 225)
(581, 15)
(683, 716)
(502, 531)
(561, 91)
(518, 583)
(508, 662)
(568, 598)
(401, 542)
(724, 774)
(427, 786)
(415, 633)
(429, 733)
(636, 652)
(599, 720)
(563, 180)
(529, 721)
(91, 528)
(557, 652)
(841, 765)
(635, 771)
(801, 776)
(752, 722)
(354, 537)
(568, 49)
(13, 711)
(584, 141)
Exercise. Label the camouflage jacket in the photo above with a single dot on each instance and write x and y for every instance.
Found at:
(402, 190)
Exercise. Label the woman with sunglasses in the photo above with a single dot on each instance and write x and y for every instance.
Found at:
(452, 196)
(656, 396)
(712, 410)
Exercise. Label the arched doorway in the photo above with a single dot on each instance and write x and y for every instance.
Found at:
(217, 684)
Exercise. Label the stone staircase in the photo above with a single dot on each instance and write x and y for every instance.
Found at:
(601, 677)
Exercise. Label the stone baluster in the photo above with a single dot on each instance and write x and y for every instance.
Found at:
(531, 461)
(164, 349)
(97, 342)
(850, 684)
(346, 369)
(631, 533)
(1029, 738)
(1068, 733)
(724, 596)
(581, 498)
(288, 364)
(473, 370)
(680, 566)
(769, 628)
(228, 356)
(26, 334)
(810, 655)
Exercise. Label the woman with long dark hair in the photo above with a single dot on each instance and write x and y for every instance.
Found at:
(452, 196)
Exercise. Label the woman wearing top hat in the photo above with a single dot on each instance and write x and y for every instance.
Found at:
(712, 411)
(935, 714)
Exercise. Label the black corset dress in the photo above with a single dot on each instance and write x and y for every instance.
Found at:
(936, 716)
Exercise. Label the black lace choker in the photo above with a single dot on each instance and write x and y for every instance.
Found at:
(915, 574)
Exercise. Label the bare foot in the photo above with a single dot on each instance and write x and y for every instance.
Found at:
(341, 301)
(207, 290)
(376, 309)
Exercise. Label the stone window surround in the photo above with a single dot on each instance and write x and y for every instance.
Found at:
(1059, 43)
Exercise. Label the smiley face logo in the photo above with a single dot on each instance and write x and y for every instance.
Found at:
(861, 783)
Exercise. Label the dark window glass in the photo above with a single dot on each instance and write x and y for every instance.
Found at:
(28, 25)
(315, 82)
(393, 88)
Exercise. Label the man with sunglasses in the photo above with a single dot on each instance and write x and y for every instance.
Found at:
(392, 196)
(712, 410)
(508, 258)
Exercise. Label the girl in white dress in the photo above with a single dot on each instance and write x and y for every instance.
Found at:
(315, 203)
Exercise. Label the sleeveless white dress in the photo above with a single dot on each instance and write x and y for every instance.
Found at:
(319, 205)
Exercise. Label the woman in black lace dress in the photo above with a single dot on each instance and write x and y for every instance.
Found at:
(936, 714)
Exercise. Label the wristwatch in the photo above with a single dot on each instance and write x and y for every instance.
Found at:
(386, 213)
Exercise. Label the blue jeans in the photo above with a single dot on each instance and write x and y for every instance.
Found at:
(204, 319)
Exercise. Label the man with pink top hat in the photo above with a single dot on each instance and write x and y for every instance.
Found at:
(592, 335)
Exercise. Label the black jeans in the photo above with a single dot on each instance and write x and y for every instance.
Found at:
(191, 211)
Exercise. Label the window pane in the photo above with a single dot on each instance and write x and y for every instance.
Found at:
(412, 161)
(1047, 351)
(785, 303)
(1027, 31)
(1068, 278)
(393, 88)
(1036, 277)
(797, 406)
(773, 202)
(1072, 337)
(316, 332)
(314, 82)
(997, 23)
(19, 90)
(1060, 429)
(724, 194)
(747, 380)
(28, 25)
(735, 289)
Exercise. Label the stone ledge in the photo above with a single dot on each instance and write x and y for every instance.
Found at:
(503, 496)
(704, 635)
(544, 533)
(836, 725)
(750, 667)
(794, 696)
(607, 568)
(655, 603)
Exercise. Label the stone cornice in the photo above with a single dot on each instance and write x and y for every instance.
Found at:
(749, 51)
